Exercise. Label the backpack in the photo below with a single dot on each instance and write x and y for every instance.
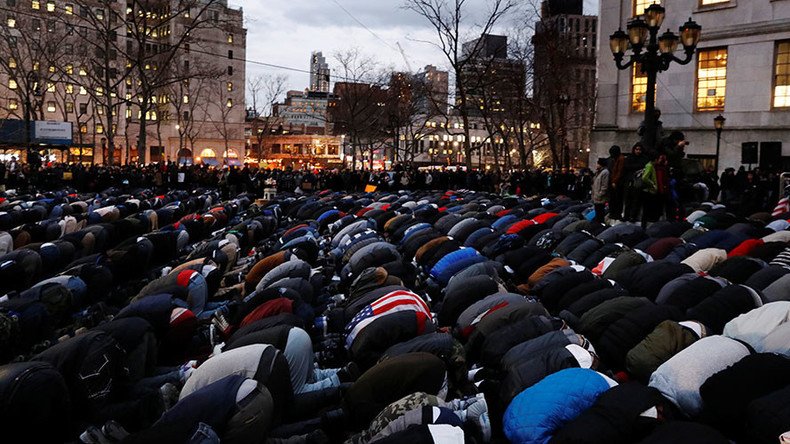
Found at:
(637, 182)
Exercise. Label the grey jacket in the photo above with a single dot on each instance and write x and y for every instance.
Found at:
(680, 378)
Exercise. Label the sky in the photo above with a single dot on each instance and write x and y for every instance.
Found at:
(285, 32)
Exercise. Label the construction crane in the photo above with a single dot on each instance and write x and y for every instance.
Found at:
(405, 59)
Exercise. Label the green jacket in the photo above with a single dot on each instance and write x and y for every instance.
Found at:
(664, 342)
(649, 179)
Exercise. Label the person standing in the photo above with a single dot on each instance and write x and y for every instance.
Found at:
(655, 194)
(616, 189)
(634, 163)
(600, 189)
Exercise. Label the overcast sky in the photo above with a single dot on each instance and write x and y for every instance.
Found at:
(285, 32)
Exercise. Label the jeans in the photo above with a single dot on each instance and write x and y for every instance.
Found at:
(204, 435)
(304, 376)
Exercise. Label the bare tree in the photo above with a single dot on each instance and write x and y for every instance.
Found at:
(158, 32)
(448, 18)
(221, 101)
(563, 98)
(359, 108)
(264, 91)
(185, 101)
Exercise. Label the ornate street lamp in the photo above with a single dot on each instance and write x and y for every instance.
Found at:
(654, 54)
(718, 123)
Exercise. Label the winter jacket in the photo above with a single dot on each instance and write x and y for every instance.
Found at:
(737, 269)
(625, 333)
(727, 394)
(647, 279)
(704, 260)
(596, 320)
(779, 290)
(767, 417)
(533, 369)
(391, 380)
(664, 342)
(538, 412)
(765, 277)
(678, 432)
(766, 329)
(718, 309)
(600, 186)
(689, 290)
(680, 378)
(614, 418)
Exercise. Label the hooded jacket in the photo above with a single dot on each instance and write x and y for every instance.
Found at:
(766, 328)
(680, 378)
(664, 342)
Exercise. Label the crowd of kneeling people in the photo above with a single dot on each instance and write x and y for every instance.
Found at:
(419, 317)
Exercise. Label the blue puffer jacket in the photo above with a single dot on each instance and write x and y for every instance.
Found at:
(453, 263)
(536, 413)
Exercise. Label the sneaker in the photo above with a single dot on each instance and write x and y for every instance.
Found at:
(114, 431)
(92, 435)
(169, 394)
(349, 373)
(477, 413)
(186, 370)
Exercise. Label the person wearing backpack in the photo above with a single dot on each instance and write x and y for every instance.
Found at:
(655, 189)
(634, 164)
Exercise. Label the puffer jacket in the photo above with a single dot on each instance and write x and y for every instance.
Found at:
(665, 341)
(614, 418)
(538, 412)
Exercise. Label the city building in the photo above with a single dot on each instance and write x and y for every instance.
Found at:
(490, 78)
(564, 74)
(319, 73)
(86, 69)
(303, 111)
(438, 141)
(436, 87)
(741, 70)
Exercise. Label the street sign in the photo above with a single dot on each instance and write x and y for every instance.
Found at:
(51, 132)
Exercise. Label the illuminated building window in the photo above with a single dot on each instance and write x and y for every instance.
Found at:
(782, 75)
(229, 103)
(99, 128)
(36, 4)
(50, 6)
(641, 5)
(638, 89)
(712, 2)
(50, 107)
(711, 79)
(11, 62)
(230, 38)
(69, 107)
(11, 21)
(12, 84)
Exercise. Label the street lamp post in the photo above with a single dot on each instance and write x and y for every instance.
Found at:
(32, 86)
(654, 54)
(718, 123)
